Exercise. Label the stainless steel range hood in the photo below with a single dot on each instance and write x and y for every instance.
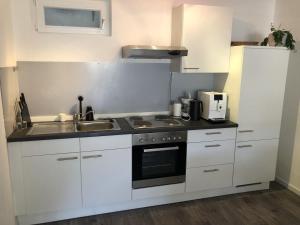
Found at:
(153, 52)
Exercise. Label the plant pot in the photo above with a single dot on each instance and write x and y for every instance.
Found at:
(272, 42)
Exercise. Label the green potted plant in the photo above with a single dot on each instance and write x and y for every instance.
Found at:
(280, 37)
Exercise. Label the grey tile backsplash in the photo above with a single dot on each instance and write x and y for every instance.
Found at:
(53, 87)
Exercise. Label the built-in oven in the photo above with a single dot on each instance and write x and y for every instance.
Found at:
(158, 159)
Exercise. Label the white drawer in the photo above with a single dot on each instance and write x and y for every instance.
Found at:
(211, 135)
(211, 177)
(210, 153)
(105, 142)
(50, 147)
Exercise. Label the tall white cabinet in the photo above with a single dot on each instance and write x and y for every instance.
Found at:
(206, 32)
(256, 86)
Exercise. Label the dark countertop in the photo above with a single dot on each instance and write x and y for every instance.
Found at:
(21, 135)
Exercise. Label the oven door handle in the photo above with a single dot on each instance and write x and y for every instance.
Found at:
(161, 149)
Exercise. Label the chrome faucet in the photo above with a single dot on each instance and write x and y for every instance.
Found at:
(77, 118)
(84, 116)
(80, 116)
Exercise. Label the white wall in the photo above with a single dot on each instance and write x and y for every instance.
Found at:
(133, 22)
(6, 207)
(287, 15)
(9, 85)
(7, 51)
(7, 59)
(288, 170)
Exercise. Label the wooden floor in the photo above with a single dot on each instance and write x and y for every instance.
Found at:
(277, 206)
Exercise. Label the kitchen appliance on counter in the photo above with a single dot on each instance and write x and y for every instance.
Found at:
(158, 159)
(177, 109)
(186, 107)
(196, 108)
(214, 105)
(159, 121)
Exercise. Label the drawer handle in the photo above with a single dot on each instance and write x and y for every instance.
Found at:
(192, 68)
(211, 171)
(212, 146)
(245, 146)
(92, 156)
(66, 159)
(246, 131)
(213, 133)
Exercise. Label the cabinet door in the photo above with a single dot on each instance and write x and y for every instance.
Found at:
(262, 93)
(52, 182)
(255, 162)
(206, 34)
(106, 177)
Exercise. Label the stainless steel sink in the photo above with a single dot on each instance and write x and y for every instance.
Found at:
(51, 128)
(98, 125)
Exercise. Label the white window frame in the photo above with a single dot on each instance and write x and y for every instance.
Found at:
(98, 5)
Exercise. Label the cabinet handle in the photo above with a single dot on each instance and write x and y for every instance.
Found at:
(66, 159)
(212, 146)
(245, 146)
(213, 133)
(246, 131)
(161, 149)
(211, 171)
(92, 156)
(191, 68)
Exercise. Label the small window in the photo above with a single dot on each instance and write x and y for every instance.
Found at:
(69, 16)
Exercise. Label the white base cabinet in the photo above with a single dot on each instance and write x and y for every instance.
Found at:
(255, 162)
(55, 176)
(89, 176)
(52, 182)
(210, 158)
(106, 177)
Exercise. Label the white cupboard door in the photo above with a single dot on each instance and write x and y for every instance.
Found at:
(106, 177)
(206, 34)
(52, 183)
(262, 93)
(255, 162)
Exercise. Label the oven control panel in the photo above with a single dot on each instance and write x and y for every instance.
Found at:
(159, 138)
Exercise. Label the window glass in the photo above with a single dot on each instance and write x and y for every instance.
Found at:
(72, 17)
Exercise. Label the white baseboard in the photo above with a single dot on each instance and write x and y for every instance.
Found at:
(288, 185)
(55, 216)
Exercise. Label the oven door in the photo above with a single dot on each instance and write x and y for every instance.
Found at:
(159, 164)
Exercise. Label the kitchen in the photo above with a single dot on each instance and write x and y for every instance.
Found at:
(57, 171)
